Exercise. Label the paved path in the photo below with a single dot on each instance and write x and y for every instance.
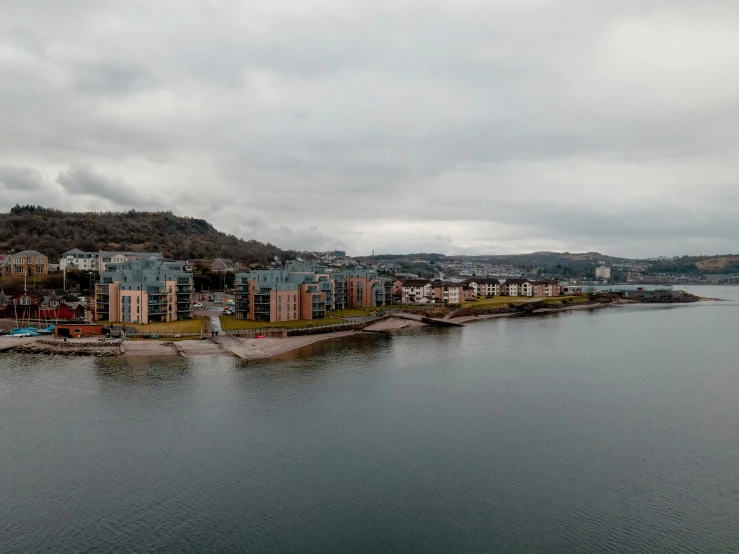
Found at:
(8, 343)
(250, 349)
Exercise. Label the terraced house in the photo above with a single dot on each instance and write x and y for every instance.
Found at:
(144, 291)
(304, 291)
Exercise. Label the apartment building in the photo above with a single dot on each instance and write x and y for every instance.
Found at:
(106, 258)
(524, 287)
(144, 291)
(484, 286)
(413, 290)
(304, 291)
(547, 288)
(516, 287)
(27, 262)
(297, 291)
(364, 289)
(448, 293)
(77, 259)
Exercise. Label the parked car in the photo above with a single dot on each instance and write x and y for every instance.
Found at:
(228, 311)
(197, 305)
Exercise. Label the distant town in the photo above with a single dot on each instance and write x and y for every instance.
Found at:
(145, 287)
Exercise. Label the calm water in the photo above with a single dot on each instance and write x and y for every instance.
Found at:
(605, 431)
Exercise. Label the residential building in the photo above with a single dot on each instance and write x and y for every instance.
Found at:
(297, 291)
(364, 289)
(106, 258)
(525, 287)
(516, 287)
(448, 293)
(468, 293)
(98, 261)
(144, 291)
(414, 289)
(221, 265)
(77, 259)
(484, 286)
(27, 262)
(547, 288)
(41, 305)
(305, 291)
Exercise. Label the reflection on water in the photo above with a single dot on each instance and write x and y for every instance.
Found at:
(610, 430)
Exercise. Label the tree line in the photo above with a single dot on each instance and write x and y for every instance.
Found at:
(53, 232)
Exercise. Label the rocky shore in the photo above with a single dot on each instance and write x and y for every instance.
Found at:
(107, 349)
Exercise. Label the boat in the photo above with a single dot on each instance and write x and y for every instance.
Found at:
(16, 333)
(48, 331)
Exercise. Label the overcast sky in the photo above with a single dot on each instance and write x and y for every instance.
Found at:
(454, 126)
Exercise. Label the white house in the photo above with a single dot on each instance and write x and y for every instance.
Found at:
(415, 289)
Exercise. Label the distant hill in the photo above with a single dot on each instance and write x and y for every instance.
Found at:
(53, 232)
(689, 265)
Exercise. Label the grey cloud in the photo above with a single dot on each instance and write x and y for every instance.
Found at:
(86, 181)
(21, 178)
(112, 78)
(463, 125)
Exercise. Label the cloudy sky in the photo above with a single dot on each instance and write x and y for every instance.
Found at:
(455, 126)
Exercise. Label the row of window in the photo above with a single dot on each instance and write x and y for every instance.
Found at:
(39, 261)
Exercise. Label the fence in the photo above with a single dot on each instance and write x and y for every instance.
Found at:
(353, 323)
(163, 334)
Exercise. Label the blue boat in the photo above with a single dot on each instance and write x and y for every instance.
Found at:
(48, 331)
(24, 333)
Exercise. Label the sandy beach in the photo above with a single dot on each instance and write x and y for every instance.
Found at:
(254, 349)
(392, 324)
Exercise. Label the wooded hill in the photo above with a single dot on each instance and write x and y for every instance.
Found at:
(53, 232)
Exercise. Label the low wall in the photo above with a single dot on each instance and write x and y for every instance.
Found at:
(315, 329)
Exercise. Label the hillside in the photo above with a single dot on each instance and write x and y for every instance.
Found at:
(53, 232)
(693, 265)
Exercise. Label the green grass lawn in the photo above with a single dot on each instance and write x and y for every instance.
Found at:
(494, 301)
(180, 326)
(351, 312)
(230, 323)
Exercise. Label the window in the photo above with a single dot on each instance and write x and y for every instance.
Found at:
(18, 269)
(19, 260)
(39, 261)
(25, 301)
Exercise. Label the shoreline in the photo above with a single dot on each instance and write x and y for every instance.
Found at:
(270, 347)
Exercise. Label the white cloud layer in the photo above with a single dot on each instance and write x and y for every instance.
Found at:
(458, 126)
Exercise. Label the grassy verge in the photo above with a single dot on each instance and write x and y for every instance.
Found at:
(181, 326)
(495, 301)
(230, 323)
(351, 312)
